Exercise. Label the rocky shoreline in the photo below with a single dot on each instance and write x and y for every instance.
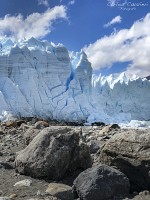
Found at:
(65, 161)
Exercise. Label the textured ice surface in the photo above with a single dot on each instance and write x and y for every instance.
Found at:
(41, 79)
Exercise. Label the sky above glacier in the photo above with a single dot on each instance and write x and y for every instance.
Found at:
(115, 34)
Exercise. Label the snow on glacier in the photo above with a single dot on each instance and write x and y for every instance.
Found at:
(41, 79)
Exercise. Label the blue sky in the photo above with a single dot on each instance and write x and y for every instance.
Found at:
(79, 23)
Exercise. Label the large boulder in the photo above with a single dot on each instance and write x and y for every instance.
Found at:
(54, 152)
(101, 182)
(129, 151)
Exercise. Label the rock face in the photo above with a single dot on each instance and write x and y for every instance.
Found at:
(130, 152)
(54, 152)
(101, 183)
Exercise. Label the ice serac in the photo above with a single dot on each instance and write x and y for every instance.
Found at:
(41, 79)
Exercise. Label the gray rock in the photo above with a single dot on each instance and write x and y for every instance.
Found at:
(41, 125)
(54, 152)
(11, 158)
(1, 132)
(62, 191)
(130, 152)
(94, 146)
(20, 122)
(101, 182)
(23, 183)
(25, 127)
(30, 134)
(109, 128)
(45, 198)
(6, 165)
(9, 124)
(13, 196)
(145, 195)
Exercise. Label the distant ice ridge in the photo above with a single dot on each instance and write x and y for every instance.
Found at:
(41, 79)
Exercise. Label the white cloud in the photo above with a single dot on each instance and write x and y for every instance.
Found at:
(43, 2)
(71, 2)
(127, 45)
(116, 20)
(35, 25)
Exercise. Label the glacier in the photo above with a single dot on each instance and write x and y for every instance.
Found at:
(41, 79)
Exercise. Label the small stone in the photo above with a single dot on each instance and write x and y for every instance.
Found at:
(5, 198)
(12, 196)
(108, 128)
(23, 183)
(38, 193)
(47, 198)
(3, 144)
(6, 165)
(41, 125)
(145, 192)
(135, 193)
(141, 193)
(1, 132)
(34, 199)
(62, 191)
(98, 124)
(20, 122)
(10, 124)
(11, 159)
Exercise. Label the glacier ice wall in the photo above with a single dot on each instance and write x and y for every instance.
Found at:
(41, 79)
